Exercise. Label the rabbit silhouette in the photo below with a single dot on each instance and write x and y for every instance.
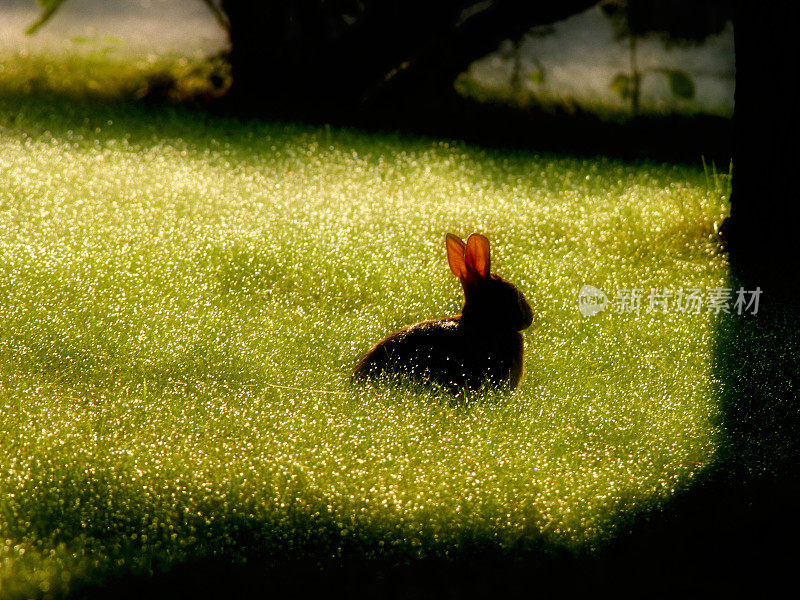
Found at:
(482, 344)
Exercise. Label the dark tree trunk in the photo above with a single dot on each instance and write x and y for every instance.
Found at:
(762, 232)
(333, 58)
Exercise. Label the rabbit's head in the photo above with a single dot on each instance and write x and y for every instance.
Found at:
(489, 300)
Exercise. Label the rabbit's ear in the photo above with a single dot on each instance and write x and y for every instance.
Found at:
(455, 256)
(477, 255)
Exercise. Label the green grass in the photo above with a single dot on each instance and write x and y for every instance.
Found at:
(182, 298)
(107, 70)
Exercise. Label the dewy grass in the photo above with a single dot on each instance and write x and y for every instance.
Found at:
(182, 298)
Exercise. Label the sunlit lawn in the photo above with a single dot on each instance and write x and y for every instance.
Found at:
(182, 298)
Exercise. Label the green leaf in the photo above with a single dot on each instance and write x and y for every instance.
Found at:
(49, 7)
(680, 83)
(621, 85)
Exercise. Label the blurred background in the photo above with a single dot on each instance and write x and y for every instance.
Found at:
(635, 78)
(133, 26)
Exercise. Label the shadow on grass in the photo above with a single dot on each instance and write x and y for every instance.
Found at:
(673, 138)
(735, 525)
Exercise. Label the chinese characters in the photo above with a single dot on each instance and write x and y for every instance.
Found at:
(686, 300)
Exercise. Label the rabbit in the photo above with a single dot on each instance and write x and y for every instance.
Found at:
(482, 344)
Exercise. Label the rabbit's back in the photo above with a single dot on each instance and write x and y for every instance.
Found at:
(448, 353)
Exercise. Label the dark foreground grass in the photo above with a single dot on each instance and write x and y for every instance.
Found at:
(183, 297)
